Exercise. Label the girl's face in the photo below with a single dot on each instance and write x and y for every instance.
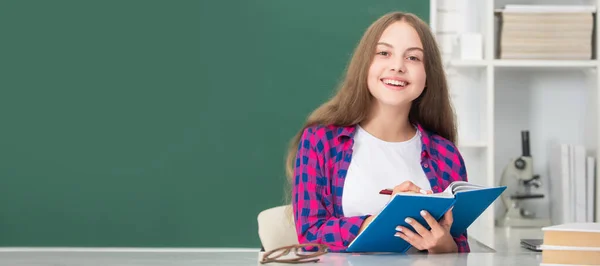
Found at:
(397, 74)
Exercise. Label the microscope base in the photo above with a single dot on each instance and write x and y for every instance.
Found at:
(523, 222)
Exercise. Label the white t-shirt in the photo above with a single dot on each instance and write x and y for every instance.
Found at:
(376, 165)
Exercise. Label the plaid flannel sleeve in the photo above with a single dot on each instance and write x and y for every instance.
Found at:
(461, 241)
(312, 205)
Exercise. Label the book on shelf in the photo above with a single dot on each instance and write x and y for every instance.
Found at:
(572, 181)
(546, 32)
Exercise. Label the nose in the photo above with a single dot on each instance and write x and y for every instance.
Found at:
(398, 65)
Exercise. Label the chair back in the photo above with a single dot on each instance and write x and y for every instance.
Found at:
(276, 227)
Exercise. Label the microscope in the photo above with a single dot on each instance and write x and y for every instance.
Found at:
(520, 169)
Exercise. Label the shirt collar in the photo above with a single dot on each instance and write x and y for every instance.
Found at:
(426, 136)
(346, 131)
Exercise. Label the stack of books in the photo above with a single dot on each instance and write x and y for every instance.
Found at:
(571, 244)
(546, 32)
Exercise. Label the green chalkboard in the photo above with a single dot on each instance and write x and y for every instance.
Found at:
(160, 123)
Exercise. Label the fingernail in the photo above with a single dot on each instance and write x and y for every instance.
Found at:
(397, 234)
(423, 191)
(423, 213)
(399, 229)
(408, 220)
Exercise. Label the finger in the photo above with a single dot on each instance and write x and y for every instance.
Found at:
(448, 219)
(412, 242)
(410, 237)
(433, 224)
(407, 186)
(422, 231)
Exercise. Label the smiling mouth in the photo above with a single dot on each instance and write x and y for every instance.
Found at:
(395, 83)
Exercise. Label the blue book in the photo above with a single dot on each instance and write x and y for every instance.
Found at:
(469, 202)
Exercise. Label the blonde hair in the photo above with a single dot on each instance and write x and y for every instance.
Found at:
(351, 104)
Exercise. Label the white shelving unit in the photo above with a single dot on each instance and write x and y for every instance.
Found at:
(556, 100)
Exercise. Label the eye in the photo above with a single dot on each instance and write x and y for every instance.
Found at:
(414, 58)
(384, 53)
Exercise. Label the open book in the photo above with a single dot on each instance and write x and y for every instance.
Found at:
(468, 201)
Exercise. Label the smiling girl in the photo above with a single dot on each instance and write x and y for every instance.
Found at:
(389, 125)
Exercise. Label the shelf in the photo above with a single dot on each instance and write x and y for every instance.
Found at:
(468, 63)
(546, 63)
(506, 63)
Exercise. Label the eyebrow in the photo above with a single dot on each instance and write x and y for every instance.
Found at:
(407, 50)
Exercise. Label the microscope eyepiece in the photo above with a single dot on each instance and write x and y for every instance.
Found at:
(525, 143)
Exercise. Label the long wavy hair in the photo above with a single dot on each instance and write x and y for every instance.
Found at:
(351, 104)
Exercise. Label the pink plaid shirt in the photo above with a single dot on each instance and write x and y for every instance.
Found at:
(324, 154)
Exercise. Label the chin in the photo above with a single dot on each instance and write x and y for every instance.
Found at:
(394, 99)
(398, 104)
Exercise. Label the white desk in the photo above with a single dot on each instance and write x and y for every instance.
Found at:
(507, 240)
(508, 252)
(251, 258)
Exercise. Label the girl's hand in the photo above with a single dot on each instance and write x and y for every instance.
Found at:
(436, 240)
(408, 186)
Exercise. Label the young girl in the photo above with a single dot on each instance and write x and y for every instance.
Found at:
(389, 125)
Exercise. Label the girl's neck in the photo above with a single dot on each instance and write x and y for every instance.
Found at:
(389, 124)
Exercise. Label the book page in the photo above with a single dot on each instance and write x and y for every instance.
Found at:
(458, 186)
(435, 195)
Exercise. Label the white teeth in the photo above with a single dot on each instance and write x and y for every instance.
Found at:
(394, 82)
